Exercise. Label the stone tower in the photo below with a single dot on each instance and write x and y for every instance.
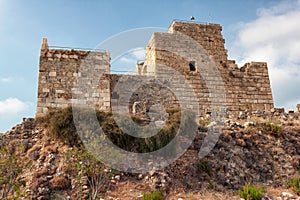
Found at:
(238, 89)
(59, 71)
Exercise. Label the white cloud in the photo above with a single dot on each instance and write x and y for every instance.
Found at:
(134, 56)
(274, 37)
(12, 106)
(6, 79)
(128, 60)
(139, 53)
(280, 8)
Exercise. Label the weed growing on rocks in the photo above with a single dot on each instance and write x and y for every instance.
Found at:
(273, 128)
(251, 193)
(155, 195)
(203, 166)
(295, 184)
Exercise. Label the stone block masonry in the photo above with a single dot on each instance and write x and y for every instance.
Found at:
(245, 88)
(145, 90)
(58, 74)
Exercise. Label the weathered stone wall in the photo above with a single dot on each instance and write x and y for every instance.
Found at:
(59, 73)
(188, 65)
(208, 35)
(146, 90)
(248, 88)
(215, 79)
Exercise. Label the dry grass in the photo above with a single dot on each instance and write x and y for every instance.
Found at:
(276, 192)
(129, 190)
(60, 183)
(49, 149)
(135, 190)
(42, 172)
(33, 153)
(203, 195)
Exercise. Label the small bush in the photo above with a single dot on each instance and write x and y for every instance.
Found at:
(155, 195)
(203, 166)
(273, 128)
(204, 122)
(251, 193)
(85, 164)
(61, 126)
(11, 166)
(295, 184)
(136, 144)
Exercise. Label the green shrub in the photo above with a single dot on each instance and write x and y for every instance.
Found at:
(87, 165)
(128, 142)
(203, 166)
(155, 195)
(251, 193)
(204, 122)
(295, 184)
(60, 125)
(273, 128)
(11, 167)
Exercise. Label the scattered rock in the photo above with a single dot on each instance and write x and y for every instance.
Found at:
(118, 177)
(240, 156)
(248, 124)
(286, 194)
(140, 176)
(159, 123)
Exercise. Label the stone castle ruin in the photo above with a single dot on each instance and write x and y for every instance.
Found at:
(185, 67)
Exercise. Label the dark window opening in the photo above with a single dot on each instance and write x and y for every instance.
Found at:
(115, 95)
(192, 65)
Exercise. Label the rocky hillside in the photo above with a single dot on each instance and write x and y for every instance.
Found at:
(255, 149)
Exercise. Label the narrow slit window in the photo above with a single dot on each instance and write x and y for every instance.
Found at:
(192, 65)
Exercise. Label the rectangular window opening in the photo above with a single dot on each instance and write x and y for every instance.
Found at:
(192, 65)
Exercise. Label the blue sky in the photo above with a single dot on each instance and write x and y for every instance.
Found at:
(253, 29)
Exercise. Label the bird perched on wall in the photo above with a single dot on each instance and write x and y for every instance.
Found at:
(192, 18)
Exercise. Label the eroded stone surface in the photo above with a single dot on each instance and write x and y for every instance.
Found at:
(193, 85)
